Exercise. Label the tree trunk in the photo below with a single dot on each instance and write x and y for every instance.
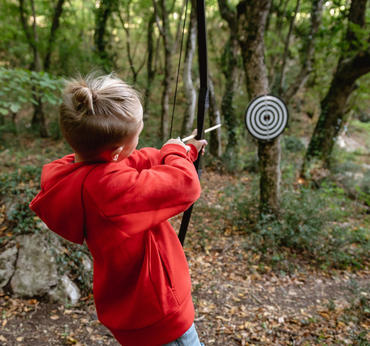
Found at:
(102, 15)
(38, 122)
(251, 24)
(190, 93)
(280, 16)
(170, 45)
(215, 119)
(54, 27)
(231, 71)
(306, 69)
(333, 107)
(150, 69)
(286, 49)
(167, 83)
(352, 65)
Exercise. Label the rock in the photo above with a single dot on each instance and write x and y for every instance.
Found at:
(87, 263)
(36, 271)
(11, 204)
(7, 265)
(66, 291)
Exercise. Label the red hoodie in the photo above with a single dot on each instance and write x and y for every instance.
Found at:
(142, 285)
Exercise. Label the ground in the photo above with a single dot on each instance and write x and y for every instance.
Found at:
(238, 301)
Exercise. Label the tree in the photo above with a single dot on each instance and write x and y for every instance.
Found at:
(308, 57)
(38, 120)
(151, 66)
(102, 14)
(230, 69)
(190, 94)
(353, 63)
(250, 22)
(54, 27)
(170, 44)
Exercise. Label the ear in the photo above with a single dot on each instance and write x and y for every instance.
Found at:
(115, 153)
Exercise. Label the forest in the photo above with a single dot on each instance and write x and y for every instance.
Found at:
(278, 243)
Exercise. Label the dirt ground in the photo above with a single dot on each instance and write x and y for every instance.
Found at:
(237, 301)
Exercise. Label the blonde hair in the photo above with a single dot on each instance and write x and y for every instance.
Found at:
(98, 112)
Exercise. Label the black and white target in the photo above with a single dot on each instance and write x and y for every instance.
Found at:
(266, 117)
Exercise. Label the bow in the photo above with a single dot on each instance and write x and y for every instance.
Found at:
(203, 99)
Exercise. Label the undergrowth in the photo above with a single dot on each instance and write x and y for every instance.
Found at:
(311, 225)
(17, 189)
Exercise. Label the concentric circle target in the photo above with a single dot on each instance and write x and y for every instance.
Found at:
(266, 117)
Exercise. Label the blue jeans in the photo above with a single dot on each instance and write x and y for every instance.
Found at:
(189, 338)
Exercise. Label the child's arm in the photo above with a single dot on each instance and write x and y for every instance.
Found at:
(147, 158)
(136, 201)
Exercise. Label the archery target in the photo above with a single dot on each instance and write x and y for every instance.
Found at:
(266, 117)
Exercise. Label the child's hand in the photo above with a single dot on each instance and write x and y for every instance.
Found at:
(200, 145)
(178, 142)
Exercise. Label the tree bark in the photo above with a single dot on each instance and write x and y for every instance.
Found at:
(170, 45)
(307, 64)
(352, 65)
(286, 49)
(215, 119)
(151, 70)
(190, 93)
(251, 24)
(333, 107)
(230, 70)
(102, 15)
(131, 56)
(38, 121)
(280, 15)
(54, 27)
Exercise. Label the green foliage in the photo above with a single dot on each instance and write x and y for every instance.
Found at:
(21, 186)
(310, 223)
(359, 310)
(19, 88)
(293, 144)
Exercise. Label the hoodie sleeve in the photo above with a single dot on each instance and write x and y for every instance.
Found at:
(136, 201)
(147, 158)
(143, 159)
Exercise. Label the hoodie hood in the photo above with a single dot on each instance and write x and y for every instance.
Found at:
(59, 204)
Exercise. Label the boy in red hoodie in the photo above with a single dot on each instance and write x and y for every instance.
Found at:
(118, 200)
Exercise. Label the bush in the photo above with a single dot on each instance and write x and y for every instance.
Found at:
(309, 224)
(293, 144)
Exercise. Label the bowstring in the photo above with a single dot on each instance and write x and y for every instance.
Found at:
(178, 67)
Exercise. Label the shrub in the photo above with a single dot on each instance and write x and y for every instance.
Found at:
(309, 223)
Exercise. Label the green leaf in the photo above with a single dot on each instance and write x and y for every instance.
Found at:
(4, 111)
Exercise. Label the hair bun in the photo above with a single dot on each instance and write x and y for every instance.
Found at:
(83, 95)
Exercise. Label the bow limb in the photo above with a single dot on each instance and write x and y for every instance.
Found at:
(203, 99)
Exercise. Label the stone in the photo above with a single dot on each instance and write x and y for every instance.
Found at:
(87, 263)
(66, 291)
(36, 270)
(7, 265)
(11, 204)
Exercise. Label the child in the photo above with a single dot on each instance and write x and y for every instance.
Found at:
(118, 200)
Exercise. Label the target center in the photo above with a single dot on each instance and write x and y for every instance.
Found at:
(267, 117)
